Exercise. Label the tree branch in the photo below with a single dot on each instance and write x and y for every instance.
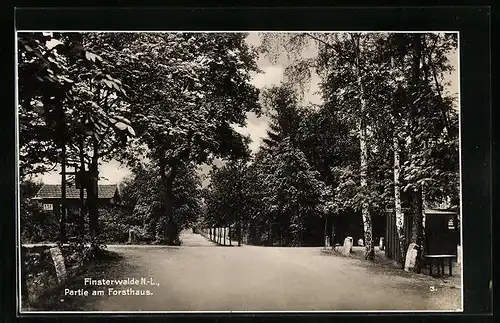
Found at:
(438, 89)
(109, 150)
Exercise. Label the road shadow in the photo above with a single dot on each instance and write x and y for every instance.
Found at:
(382, 265)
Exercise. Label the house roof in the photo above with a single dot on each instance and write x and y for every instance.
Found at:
(53, 191)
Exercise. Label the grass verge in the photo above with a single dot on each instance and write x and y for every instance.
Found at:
(53, 299)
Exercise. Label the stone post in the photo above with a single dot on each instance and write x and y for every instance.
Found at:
(131, 236)
(381, 244)
(347, 246)
(58, 260)
(411, 257)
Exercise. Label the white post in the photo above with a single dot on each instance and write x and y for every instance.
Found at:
(58, 260)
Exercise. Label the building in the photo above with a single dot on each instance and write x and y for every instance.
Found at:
(441, 232)
(49, 197)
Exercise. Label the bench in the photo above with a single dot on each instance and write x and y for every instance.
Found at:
(441, 262)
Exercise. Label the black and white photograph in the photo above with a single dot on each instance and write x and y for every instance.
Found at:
(245, 171)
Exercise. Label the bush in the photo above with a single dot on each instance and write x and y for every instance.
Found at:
(37, 225)
(115, 223)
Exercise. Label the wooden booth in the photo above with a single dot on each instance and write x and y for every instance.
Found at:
(442, 235)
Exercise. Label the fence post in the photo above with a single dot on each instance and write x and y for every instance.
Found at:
(388, 230)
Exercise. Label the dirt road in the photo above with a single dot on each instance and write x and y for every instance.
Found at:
(199, 276)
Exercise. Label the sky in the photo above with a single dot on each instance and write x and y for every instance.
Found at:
(272, 74)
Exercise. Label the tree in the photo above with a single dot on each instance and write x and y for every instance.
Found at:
(375, 85)
(348, 62)
(297, 193)
(43, 83)
(101, 101)
(227, 197)
(330, 148)
(282, 107)
(142, 194)
(431, 124)
(279, 191)
(191, 89)
(70, 104)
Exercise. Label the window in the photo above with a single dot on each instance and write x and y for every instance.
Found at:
(48, 207)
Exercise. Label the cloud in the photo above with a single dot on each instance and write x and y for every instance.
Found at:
(271, 75)
(111, 173)
(256, 128)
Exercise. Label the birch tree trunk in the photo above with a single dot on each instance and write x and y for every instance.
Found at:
(365, 212)
(397, 200)
(367, 220)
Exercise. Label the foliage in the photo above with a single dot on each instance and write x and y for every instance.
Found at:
(142, 198)
(36, 224)
(190, 89)
(282, 107)
(294, 193)
(278, 195)
(173, 99)
(70, 106)
(376, 88)
(43, 74)
(227, 196)
(66, 90)
(116, 221)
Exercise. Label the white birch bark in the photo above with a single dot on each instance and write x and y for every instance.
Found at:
(367, 221)
(397, 196)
